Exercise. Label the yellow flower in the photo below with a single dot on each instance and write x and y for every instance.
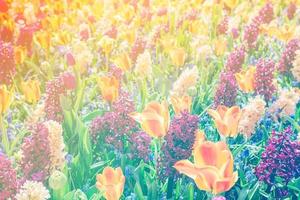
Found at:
(212, 169)
(123, 61)
(245, 79)
(5, 99)
(31, 91)
(226, 119)
(231, 3)
(107, 44)
(109, 87)
(286, 32)
(181, 103)
(43, 39)
(62, 38)
(111, 182)
(178, 56)
(20, 54)
(220, 46)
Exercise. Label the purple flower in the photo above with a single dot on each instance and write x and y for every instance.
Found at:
(36, 154)
(281, 159)
(264, 78)
(178, 142)
(115, 125)
(288, 56)
(235, 60)
(251, 34)
(8, 178)
(226, 90)
(266, 13)
(140, 145)
(223, 26)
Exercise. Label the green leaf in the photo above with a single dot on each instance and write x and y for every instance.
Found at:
(252, 192)
(89, 117)
(294, 185)
(138, 191)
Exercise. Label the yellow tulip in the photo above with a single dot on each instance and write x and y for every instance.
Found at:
(178, 56)
(181, 104)
(231, 3)
(245, 79)
(111, 182)
(212, 169)
(107, 44)
(220, 46)
(154, 119)
(20, 54)
(5, 99)
(286, 33)
(43, 39)
(109, 87)
(31, 91)
(226, 119)
(62, 38)
(123, 61)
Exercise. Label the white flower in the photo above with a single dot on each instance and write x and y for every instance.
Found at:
(186, 80)
(56, 143)
(143, 65)
(33, 190)
(251, 115)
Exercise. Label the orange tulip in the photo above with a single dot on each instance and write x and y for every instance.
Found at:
(245, 79)
(154, 119)
(181, 103)
(111, 182)
(109, 87)
(178, 56)
(226, 119)
(199, 138)
(123, 62)
(212, 169)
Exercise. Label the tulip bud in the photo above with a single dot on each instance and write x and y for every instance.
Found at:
(69, 80)
(57, 180)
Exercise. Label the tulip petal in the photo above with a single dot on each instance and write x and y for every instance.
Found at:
(207, 178)
(187, 167)
(206, 154)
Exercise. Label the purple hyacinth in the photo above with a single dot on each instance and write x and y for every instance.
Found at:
(288, 56)
(251, 34)
(235, 60)
(264, 78)
(36, 154)
(140, 145)
(8, 179)
(226, 91)
(178, 142)
(113, 126)
(281, 158)
(266, 13)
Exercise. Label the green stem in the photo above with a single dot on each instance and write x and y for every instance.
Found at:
(5, 140)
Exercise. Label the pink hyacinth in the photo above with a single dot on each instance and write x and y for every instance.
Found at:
(223, 26)
(291, 10)
(138, 48)
(8, 179)
(36, 154)
(7, 63)
(264, 78)
(288, 56)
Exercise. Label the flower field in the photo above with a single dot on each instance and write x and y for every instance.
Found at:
(150, 99)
